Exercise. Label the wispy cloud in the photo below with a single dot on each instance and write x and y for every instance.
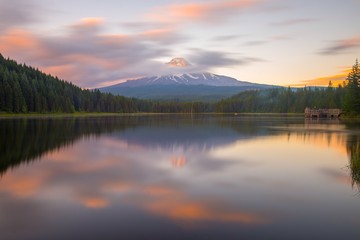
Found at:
(255, 43)
(17, 13)
(175, 205)
(212, 58)
(142, 25)
(200, 11)
(295, 21)
(206, 60)
(342, 46)
(87, 56)
(225, 38)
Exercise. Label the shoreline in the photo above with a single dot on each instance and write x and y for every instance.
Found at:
(80, 114)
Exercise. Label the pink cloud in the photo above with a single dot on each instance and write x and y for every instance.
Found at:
(342, 46)
(177, 13)
(88, 57)
(18, 42)
(176, 205)
(85, 56)
(22, 184)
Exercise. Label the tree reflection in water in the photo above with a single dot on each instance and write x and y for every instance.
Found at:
(23, 140)
(353, 148)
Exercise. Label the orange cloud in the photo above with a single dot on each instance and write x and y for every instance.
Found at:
(155, 33)
(174, 204)
(92, 21)
(199, 11)
(186, 210)
(324, 81)
(15, 41)
(178, 162)
(193, 11)
(87, 24)
(20, 185)
(23, 187)
(95, 202)
(86, 56)
(63, 71)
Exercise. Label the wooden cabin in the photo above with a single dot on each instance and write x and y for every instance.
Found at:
(322, 113)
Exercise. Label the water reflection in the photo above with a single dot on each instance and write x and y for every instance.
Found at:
(24, 140)
(353, 147)
(196, 177)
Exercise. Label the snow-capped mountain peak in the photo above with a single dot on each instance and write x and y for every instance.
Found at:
(187, 85)
(178, 62)
(190, 79)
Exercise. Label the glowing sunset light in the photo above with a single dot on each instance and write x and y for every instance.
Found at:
(92, 21)
(336, 80)
(21, 187)
(178, 162)
(278, 42)
(95, 202)
(176, 205)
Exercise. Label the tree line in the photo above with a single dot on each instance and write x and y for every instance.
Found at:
(282, 100)
(24, 89)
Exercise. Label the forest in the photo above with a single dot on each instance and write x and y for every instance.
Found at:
(283, 100)
(24, 89)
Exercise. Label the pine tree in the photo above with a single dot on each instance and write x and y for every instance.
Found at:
(352, 97)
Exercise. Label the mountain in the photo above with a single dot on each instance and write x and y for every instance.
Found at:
(186, 79)
(184, 86)
(178, 62)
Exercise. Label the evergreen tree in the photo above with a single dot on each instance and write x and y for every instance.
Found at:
(352, 97)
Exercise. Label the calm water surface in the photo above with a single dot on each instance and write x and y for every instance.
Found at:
(178, 177)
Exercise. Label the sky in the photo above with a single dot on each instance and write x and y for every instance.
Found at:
(99, 43)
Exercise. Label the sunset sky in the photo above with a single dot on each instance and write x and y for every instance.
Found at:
(97, 43)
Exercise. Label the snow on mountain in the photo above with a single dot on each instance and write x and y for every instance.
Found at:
(183, 85)
(178, 62)
(204, 78)
(185, 77)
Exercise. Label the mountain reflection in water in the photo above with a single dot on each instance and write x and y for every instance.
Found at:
(178, 177)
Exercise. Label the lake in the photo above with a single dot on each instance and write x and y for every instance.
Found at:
(179, 177)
